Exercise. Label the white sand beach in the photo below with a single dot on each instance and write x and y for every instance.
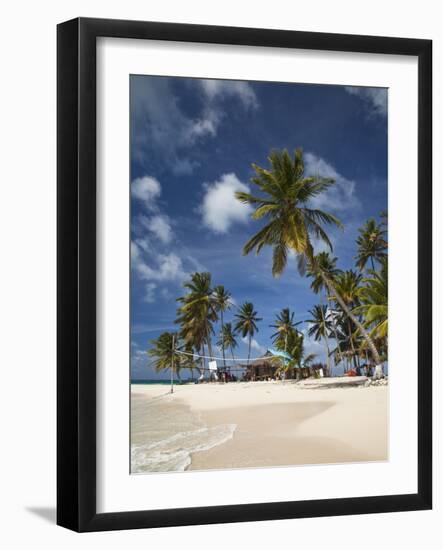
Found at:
(256, 424)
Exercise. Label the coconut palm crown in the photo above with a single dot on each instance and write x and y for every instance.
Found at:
(284, 325)
(291, 225)
(372, 244)
(246, 324)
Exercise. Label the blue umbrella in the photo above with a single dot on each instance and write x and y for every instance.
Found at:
(277, 353)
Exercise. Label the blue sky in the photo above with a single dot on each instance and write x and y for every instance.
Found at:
(192, 145)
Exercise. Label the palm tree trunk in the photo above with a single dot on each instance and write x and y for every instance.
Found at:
(203, 358)
(334, 329)
(233, 358)
(208, 341)
(223, 342)
(249, 348)
(372, 263)
(351, 341)
(326, 338)
(327, 355)
(349, 313)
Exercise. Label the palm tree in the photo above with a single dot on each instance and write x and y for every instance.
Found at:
(374, 301)
(187, 360)
(347, 285)
(227, 339)
(222, 302)
(321, 327)
(163, 351)
(295, 349)
(247, 323)
(372, 244)
(328, 265)
(284, 325)
(197, 312)
(291, 223)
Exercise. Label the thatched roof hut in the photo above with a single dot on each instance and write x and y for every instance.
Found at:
(262, 368)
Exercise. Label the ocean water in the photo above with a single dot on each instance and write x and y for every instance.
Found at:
(165, 433)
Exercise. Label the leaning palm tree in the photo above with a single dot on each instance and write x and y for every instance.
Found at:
(347, 285)
(321, 328)
(291, 225)
(247, 323)
(164, 353)
(372, 244)
(222, 302)
(327, 264)
(284, 325)
(227, 340)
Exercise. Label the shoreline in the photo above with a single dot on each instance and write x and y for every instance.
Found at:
(276, 423)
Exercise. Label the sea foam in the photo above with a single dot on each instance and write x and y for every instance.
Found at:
(165, 433)
(174, 452)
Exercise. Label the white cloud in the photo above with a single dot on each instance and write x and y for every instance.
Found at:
(160, 226)
(220, 208)
(150, 293)
(163, 133)
(376, 99)
(340, 196)
(146, 189)
(254, 345)
(167, 267)
(214, 89)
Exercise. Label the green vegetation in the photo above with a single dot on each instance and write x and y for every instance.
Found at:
(353, 308)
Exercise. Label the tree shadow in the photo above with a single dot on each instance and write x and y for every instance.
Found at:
(46, 513)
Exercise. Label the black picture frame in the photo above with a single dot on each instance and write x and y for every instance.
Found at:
(76, 281)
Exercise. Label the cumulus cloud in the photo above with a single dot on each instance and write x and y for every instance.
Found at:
(160, 226)
(340, 196)
(146, 189)
(376, 99)
(164, 267)
(219, 89)
(254, 345)
(220, 208)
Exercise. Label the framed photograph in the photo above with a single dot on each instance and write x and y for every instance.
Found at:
(230, 345)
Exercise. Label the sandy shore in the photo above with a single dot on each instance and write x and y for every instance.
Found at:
(276, 424)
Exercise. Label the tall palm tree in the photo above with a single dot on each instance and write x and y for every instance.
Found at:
(197, 312)
(285, 195)
(284, 325)
(227, 340)
(321, 327)
(164, 353)
(222, 302)
(372, 244)
(247, 323)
